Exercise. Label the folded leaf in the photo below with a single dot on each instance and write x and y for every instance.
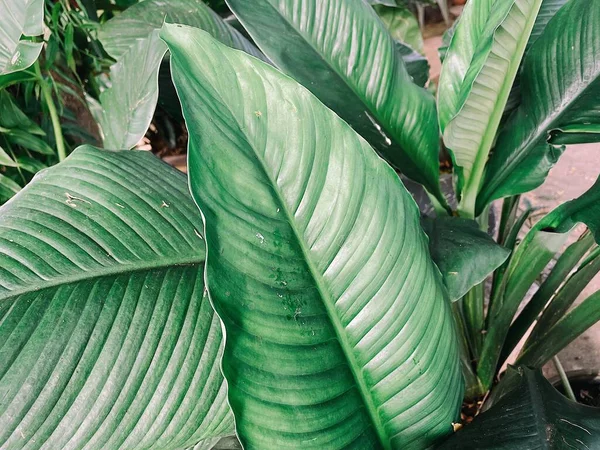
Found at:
(342, 52)
(529, 413)
(339, 332)
(471, 129)
(560, 95)
(464, 254)
(106, 339)
(128, 105)
(132, 38)
(19, 17)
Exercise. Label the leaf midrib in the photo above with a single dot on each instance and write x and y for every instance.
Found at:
(103, 272)
(325, 295)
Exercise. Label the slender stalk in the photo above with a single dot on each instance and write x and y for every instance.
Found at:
(565, 380)
(473, 305)
(47, 94)
(473, 387)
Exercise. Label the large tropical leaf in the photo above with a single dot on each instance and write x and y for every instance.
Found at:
(416, 64)
(129, 104)
(342, 52)
(121, 33)
(106, 339)
(132, 38)
(471, 129)
(339, 332)
(529, 413)
(560, 103)
(464, 254)
(17, 18)
(536, 250)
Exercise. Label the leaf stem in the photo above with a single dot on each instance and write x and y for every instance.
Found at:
(47, 93)
(565, 380)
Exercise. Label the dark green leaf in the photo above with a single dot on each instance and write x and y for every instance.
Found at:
(28, 141)
(333, 339)
(416, 64)
(342, 52)
(530, 414)
(560, 91)
(6, 160)
(106, 339)
(464, 254)
(538, 247)
(13, 118)
(30, 165)
(8, 188)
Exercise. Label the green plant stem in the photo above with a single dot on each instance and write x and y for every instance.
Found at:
(473, 304)
(565, 380)
(47, 93)
(473, 387)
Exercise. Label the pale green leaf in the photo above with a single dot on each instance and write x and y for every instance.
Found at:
(402, 25)
(19, 17)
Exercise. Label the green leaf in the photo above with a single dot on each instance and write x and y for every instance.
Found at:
(563, 332)
(561, 95)
(560, 272)
(128, 105)
(402, 25)
(464, 254)
(339, 332)
(416, 64)
(529, 413)
(8, 188)
(106, 339)
(6, 160)
(19, 17)
(463, 41)
(30, 165)
(538, 247)
(121, 33)
(547, 11)
(342, 52)
(28, 141)
(470, 127)
(132, 37)
(12, 117)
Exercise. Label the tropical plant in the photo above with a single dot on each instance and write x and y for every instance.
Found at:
(342, 317)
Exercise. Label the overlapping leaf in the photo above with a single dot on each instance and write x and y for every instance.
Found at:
(339, 333)
(342, 52)
(132, 38)
(560, 103)
(106, 339)
(529, 413)
(476, 111)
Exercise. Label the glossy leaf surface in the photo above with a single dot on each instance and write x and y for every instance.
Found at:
(529, 413)
(464, 254)
(333, 340)
(19, 17)
(560, 102)
(342, 52)
(106, 339)
(471, 127)
(402, 25)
